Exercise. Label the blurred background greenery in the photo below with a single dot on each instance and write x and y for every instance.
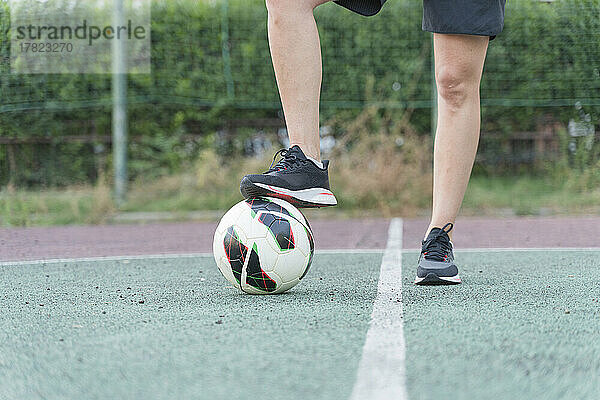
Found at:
(209, 112)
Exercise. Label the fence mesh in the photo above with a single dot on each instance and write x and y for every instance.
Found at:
(211, 66)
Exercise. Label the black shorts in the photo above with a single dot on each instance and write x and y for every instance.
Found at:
(467, 17)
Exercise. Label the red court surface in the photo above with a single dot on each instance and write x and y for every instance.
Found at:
(21, 244)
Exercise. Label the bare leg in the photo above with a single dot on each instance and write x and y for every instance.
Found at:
(296, 54)
(458, 67)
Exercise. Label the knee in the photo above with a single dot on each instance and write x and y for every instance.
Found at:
(280, 9)
(455, 86)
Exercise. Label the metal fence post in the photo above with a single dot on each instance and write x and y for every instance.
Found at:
(119, 112)
(225, 49)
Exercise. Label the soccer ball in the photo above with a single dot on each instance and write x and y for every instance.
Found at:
(263, 246)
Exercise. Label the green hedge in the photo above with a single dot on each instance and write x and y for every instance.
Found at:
(546, 59)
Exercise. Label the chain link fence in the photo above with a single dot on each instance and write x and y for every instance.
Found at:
(211, 73)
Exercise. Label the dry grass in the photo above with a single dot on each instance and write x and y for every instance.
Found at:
(378, 167)
(74, 205)
(211, 183)
(103, 205)
(382, 165)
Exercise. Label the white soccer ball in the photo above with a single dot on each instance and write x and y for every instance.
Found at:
(263, 245)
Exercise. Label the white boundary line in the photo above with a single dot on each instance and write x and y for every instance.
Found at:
(381, 372)
(325, 251)
(515, 249)
(162, 257)
(107, 258)
(350, 251)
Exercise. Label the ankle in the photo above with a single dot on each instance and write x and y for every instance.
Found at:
(311, 152)
(318, 163)
(439, 226)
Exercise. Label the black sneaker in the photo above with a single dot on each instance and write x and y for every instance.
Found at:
(294, 178)
(436, 264)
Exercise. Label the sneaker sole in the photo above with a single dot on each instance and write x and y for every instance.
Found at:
(306, 198)
(432, 279)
